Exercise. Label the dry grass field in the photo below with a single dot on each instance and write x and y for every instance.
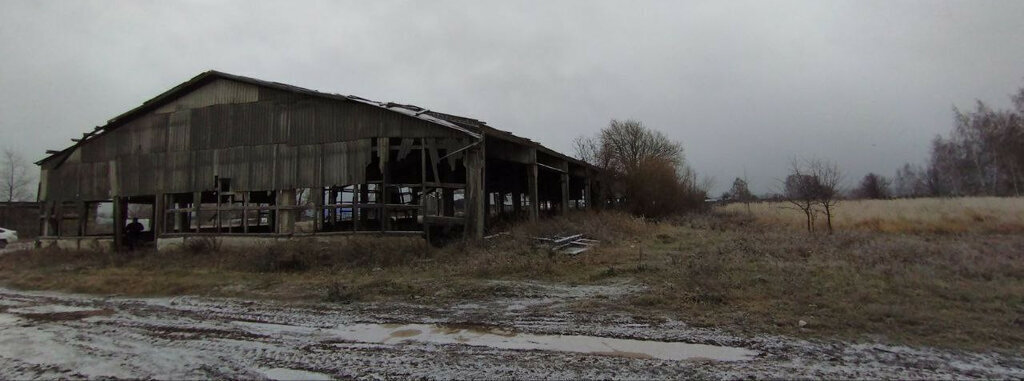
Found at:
(932, 215)
(953, 275)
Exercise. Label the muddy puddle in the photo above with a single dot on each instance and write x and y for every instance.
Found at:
(504, 339)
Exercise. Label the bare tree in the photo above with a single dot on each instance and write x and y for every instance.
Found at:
(798, 189)
(827, 177)
(15, 177)
(813, 184)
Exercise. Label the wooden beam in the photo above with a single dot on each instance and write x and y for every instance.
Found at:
(423, 190)
(385, 169)
(197, 199)
(157, 223)
(531, 188)
(475, 196)
(564, 204)
(119, 217)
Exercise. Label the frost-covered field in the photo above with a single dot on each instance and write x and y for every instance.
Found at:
(53, 335)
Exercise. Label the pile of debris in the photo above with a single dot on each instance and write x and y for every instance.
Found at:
(571, 244)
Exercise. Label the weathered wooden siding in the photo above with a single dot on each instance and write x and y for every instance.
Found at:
(219, 91)
(262, 139)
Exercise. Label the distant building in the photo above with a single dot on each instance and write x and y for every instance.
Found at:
(249, 160)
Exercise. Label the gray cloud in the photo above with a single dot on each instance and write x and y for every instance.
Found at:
(744, 85)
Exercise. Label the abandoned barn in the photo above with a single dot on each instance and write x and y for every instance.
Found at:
(248, 160)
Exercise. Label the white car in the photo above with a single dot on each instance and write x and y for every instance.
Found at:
(7, 236)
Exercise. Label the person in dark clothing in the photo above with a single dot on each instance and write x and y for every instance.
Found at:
(133, 232)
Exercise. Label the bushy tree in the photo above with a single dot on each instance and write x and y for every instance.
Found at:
(873, 186)
(647, 167)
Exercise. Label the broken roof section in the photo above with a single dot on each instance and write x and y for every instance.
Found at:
(472, 127)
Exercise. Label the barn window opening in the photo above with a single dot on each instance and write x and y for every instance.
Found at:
(260, 212)
(179, 213)
(99, 218)
(338, 211)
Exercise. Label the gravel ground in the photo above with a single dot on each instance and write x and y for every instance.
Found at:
(54, 335)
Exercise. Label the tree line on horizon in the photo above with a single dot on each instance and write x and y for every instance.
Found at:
(982, 156)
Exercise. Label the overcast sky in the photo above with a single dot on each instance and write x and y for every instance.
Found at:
(745, 86)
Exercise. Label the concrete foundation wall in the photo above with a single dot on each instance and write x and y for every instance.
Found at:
(104, 243)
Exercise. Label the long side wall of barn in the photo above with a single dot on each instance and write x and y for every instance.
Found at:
(235, 160)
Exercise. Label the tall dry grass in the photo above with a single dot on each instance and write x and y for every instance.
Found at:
(922, 215)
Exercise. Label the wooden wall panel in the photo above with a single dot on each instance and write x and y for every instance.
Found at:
(284, 141)
(345, 162)
(179, 131)
(308, 166)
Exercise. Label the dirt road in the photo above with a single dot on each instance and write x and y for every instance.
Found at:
(50, 335)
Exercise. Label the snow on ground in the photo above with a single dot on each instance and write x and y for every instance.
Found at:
(54, 335)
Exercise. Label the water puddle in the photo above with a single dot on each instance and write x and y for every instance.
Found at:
(504, 339)
(292, 374)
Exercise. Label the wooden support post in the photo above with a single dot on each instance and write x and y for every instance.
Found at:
(587, 193)
(563, 206)
(119, 217)
(317, 194)
(423, 190)
(197, 200)
(476, 198)
(82, 212)
(531, 185)
(245, 213)
(517, 203)
(286, 215)
(217, 215)
(385, 190)
(157, 222)
(45, 213)
(332, 195)
(448, 202)
(364, 196)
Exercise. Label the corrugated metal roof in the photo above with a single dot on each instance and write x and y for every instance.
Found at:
(468, 126)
